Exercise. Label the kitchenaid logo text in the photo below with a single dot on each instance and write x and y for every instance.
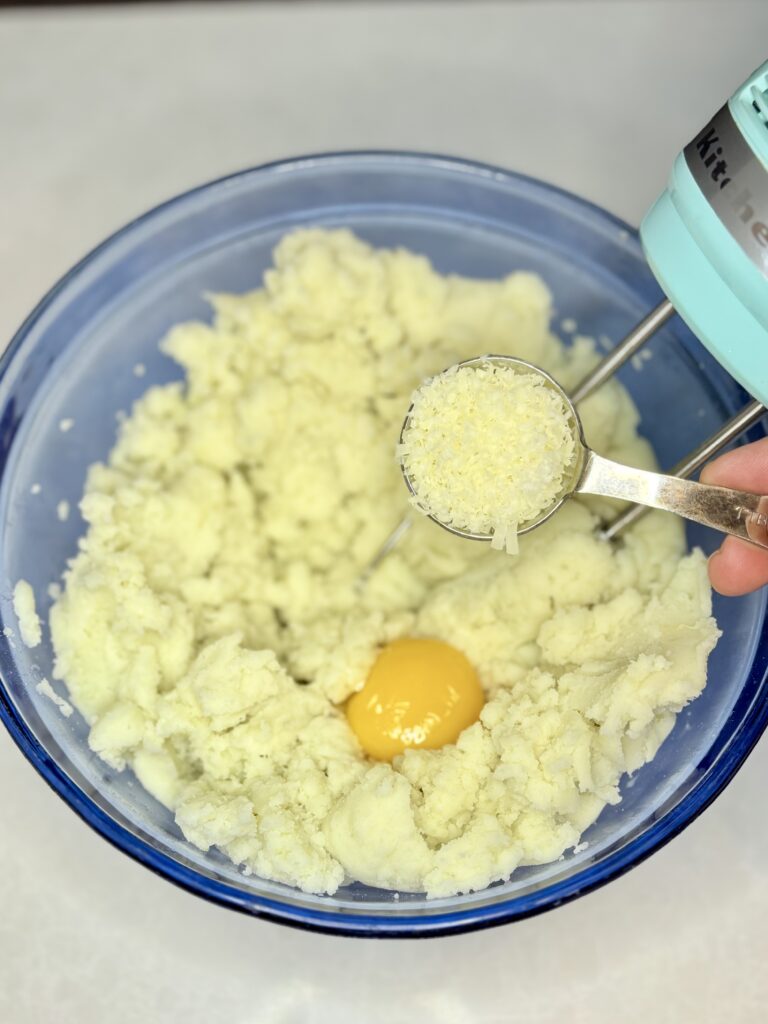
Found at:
(734, 182)
(746, 214)
(710, 150)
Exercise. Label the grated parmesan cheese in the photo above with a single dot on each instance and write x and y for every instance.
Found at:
(486, 448)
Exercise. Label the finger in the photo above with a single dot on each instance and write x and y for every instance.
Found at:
(738, 568)
(745, 468)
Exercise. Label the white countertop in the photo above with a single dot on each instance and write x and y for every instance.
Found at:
(103, 114)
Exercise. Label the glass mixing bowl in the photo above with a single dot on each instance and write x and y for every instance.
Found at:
(75, 356)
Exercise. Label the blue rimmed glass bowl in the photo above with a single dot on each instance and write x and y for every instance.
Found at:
(74, 358)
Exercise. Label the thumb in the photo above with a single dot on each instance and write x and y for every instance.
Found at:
(739, 567)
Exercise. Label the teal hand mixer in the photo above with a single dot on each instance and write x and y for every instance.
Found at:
(706, 241)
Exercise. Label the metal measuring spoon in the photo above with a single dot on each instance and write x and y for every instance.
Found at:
(738, 513)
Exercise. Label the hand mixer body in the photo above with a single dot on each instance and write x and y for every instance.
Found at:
(706, 237)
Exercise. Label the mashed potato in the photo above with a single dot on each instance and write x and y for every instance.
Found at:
(210, 627)
(26, 613)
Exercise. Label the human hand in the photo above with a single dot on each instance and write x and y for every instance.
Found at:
(738, 567)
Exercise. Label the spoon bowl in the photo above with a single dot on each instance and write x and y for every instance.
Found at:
(739, 513)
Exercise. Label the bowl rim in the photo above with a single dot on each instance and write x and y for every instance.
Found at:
(338, 922)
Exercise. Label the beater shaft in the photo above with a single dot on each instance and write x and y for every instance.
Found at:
(742, 421)
(389, 544)
(624, 350)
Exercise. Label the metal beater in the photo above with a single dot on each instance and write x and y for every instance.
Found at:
(706, 241)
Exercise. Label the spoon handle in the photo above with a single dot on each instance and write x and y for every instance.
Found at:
(739, 513)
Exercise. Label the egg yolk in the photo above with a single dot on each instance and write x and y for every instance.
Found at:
(420, 693)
